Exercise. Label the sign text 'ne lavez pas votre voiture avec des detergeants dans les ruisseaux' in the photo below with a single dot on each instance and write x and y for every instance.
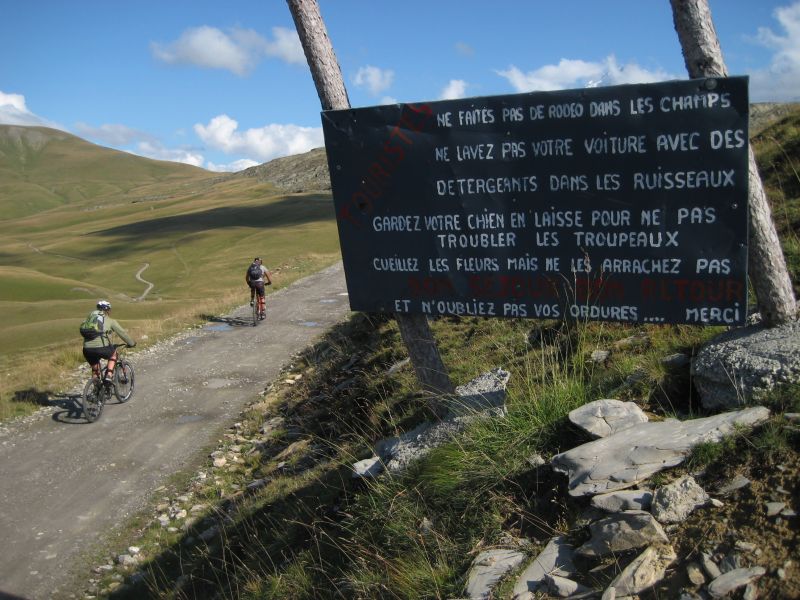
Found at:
(624, 203)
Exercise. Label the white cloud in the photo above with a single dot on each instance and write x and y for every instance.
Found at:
(14, 111)
(239, 50)
(286, 46)
(578, 73)
(374, 79)
(113, 134)
(237, 165)
(262, 143)
(456, 88)
(389, 100)
(154, 149)
(780, 81)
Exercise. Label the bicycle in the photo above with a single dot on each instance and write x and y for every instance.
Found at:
(258, 315)
(97, 392)
(254, 306)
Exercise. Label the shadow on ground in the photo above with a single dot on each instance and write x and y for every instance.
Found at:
(70, 404)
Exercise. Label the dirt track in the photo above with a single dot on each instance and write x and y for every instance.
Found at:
(64, 482)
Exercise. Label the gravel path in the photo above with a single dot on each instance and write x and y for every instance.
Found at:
(65, 482)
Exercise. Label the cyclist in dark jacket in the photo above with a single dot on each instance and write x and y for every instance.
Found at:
(99, 345)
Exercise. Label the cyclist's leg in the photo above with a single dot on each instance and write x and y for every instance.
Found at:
(112, 361)
(261, 303)
(252, 293)
(94, 361)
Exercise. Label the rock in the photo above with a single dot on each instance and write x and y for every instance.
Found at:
(622, 460)
(134, 549)
(565, 588)
(731, 562)
(536, 460)
(733, 580)
(556, 558)
(709, 566)
(644, 571)
(676, 361)
(368, 468)
(739, 366)
(488, 568)
(483, 396)
(220, 462)
(126, 560)
(602, 418)
(624, 500)
(272, 424)
(695, 574)
(775, 508)
(637, 340)
(599, 356)
(750, 592)
(737, 483)
(397, 366)
(674, 502)
(487, 391)
(621, 532)
(254, 485)
(745, 546)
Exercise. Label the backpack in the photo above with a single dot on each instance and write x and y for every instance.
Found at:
(93, 327)
(254, 272)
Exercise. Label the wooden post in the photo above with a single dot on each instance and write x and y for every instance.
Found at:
(766, 264)
(414, 329)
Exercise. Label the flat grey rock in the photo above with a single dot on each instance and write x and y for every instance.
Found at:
(739, 366)
(565, 588)
(623, 500)
(733, 580)
(482, 397)
(555, 559)
(644, 571)
(368, 468)
(488, 568)
(675, 501)
(624, 459)
(737, 483)
(621, 532)
(606, 417)
(486, 391)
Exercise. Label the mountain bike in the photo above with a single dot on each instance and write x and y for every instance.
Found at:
(254, 306)
(97, 392)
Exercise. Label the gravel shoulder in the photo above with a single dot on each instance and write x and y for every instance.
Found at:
(65, 483)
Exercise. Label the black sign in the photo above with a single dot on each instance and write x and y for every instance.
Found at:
(623, 203)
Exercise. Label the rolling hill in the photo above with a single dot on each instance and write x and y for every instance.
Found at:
(78, 221)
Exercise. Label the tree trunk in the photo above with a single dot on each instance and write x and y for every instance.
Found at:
(766, 264)
(414, 329)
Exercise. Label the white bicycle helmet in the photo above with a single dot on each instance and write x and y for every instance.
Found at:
(104, 305)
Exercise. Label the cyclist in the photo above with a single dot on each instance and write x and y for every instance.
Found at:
(96, 343)
(257, 275)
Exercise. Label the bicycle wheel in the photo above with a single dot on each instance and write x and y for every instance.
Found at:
(93, 399)
(123, 381)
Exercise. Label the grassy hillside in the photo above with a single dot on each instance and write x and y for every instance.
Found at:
(284, 518)
(78, 221)
(42, 168)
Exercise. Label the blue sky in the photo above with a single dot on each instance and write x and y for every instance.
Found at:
(225, 86)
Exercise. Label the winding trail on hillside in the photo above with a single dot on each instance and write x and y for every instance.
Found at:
(66, 484)
(149, 285)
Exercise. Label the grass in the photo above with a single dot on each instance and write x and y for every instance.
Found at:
(197, 231)
(311, 530)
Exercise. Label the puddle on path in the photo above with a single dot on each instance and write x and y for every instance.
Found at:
(309, 324)
(328, 301)
(219, 327)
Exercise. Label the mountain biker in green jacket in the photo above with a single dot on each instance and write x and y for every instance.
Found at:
(96, 342)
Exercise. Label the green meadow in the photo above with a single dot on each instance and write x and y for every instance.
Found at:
(77, 222)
